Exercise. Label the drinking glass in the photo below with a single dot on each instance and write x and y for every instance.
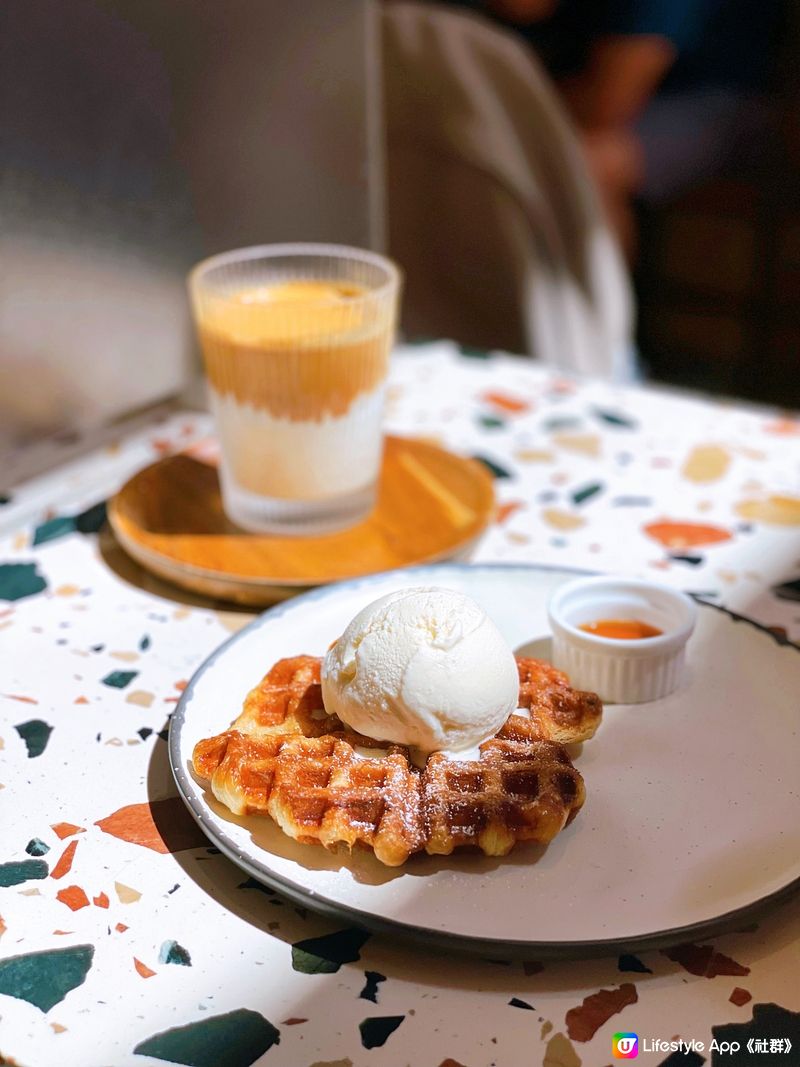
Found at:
(296, 341)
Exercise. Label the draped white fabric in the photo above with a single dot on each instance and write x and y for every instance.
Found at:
(492, 212)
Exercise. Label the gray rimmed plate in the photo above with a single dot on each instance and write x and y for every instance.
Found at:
(692, 817)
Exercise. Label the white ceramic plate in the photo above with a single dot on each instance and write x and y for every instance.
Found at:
(692, 816)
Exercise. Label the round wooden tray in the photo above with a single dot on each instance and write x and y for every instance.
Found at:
(432, 505)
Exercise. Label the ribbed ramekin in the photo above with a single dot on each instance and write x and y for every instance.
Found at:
(621, 671)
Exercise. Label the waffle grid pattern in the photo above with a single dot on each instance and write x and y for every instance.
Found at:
(323, 784)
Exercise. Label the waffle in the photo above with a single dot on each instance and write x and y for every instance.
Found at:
(319, 790)
(559, 712)
(324, 784)
(516, 791)
(288, 699)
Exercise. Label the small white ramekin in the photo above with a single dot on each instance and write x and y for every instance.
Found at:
(621, 671)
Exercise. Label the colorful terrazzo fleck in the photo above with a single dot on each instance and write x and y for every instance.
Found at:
(125, 939)
(629, 962)
(18, 580)
(703, 960)
(325, 955)
(15, 873)
(236, 1039)
(44, 978)
(35, 733)
(584, 1021)
(769, 1023)
(370, 990)
(172, 952)
(375, 1032)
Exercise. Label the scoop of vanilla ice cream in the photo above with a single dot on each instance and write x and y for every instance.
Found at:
(425, 668)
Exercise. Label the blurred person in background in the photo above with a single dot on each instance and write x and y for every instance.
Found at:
(664, 92)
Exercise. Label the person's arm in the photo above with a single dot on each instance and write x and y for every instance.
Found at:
(636, 43)
(521, 12)
(622, 74)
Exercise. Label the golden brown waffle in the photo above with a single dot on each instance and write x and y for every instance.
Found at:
(559, 712)
(288, 699)
(516, 791)
(322, 783)
(319, 790)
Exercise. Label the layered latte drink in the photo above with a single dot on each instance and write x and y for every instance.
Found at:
(296, 343)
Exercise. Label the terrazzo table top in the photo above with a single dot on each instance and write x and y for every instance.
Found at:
(125, 939)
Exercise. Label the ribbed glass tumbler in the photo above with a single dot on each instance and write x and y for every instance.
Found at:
(296, 341)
